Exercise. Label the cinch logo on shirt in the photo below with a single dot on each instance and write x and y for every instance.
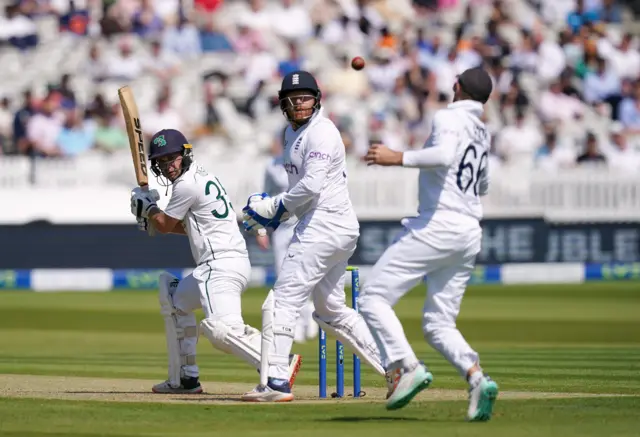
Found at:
(290, 168)
(320, 155)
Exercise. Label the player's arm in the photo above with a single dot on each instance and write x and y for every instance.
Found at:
(178, 229)
(168, 221)
(316, 162)
(444, 142)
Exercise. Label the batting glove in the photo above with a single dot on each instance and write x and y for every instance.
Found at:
(143, 224)
(142, 201)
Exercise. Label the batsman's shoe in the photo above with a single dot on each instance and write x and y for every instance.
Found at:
(481, 399)
(276, 390)
(188, 385)
(408, 385)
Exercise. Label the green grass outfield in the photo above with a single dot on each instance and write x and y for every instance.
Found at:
(567, 359)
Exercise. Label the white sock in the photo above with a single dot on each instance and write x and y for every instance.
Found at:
(475, 378)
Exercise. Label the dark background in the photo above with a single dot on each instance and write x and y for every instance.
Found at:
(43, 245)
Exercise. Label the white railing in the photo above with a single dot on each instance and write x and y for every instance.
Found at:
(57, 190)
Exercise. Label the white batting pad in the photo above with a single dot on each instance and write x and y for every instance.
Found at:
(266, 337)
(167, 284)
(356, 337)
(245, 346)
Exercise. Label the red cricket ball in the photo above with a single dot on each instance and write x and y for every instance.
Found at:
(357, 63)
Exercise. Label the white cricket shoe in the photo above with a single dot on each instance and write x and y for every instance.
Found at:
(276, 390)
(188, 385)
(407, 385)
(481, 399)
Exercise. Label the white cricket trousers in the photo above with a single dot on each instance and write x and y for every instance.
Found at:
(444, 248)
(217, 288)
(280, 241)
(315, 265)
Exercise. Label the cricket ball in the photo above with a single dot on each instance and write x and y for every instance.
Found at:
(357, 63)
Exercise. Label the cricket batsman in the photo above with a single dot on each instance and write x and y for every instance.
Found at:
(199, 208)
(442, 243)
(324, 238)
(277, 182)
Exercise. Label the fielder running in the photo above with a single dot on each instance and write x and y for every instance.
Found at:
(324, 239)
(442, 242)
(277, 182)
(199, 208)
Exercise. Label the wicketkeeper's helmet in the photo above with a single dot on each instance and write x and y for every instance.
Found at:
(298, 80)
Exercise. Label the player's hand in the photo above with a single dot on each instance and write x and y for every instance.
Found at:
(263, 241)
(382, 155)
(142, 201)
(263, 211)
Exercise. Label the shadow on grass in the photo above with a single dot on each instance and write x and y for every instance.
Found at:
(371, 419)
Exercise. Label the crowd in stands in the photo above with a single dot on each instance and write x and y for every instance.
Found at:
(566, 73)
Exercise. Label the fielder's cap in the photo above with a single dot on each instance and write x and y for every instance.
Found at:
(476, 83)
(167, 142)
(299, 80)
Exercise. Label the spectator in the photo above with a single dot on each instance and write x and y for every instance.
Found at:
(602, 85)
(18, 29)
(43, 129)
(67, 94)
(610, 12)
(124, 66)
(213, 40)
(109, 137)
(162, 63)
(518, 143)
(552, 156)
(146, 22)
(257, 17)
(581, 16)
(629, 111)
(75, 137)
(624, 59)
(345, 81)
(591, 153)
(6, 121)
(182, 39)
(550, 59)
(291, 21)
(20, 120)
(95, 67)
(621, 157)
(73, 16)
(293, 63)
(164, 117)
(262, 66)
(556, 106)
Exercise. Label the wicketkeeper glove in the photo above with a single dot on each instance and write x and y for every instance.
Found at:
(263, 211)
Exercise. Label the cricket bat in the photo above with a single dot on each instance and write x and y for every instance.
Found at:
(136, 139)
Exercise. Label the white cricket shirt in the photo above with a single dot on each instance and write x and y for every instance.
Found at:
(200, 201)
(453, 162)
(314, 158)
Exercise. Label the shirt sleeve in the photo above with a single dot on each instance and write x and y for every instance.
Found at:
(443, 144)
(318, 156)
(182, 198)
